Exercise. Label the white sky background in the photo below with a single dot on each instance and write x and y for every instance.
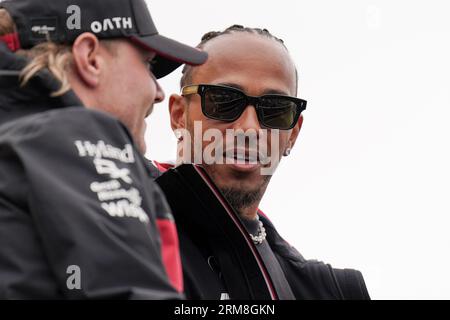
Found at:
(367, 184)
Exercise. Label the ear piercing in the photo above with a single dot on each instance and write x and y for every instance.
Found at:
(287, 152)
(178, 135)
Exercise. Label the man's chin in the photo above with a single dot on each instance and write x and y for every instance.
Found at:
(226, 176)
(142, 146)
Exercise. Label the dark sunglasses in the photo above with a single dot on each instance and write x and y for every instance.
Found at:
(224, 103)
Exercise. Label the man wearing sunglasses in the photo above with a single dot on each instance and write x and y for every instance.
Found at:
(249, 83)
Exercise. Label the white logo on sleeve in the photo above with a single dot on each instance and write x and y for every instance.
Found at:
(123, 208)
(103, 150)
(109, 167)
(115, 199)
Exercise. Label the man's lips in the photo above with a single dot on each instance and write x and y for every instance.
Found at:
(243, 156)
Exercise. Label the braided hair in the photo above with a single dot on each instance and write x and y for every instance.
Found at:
(187, 70)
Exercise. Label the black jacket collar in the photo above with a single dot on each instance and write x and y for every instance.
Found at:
(17, 101)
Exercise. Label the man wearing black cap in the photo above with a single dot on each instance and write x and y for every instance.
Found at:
(78, 218)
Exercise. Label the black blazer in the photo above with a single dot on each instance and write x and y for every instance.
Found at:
(220, 260)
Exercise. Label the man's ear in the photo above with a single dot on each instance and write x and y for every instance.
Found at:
(177, 111)
(296, 131)
(86, 59)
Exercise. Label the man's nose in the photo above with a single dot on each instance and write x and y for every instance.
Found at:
(159, 96)
(248, 119)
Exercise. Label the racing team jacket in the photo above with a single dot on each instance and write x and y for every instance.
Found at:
(79, 213)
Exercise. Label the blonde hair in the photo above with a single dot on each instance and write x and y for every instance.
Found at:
(48, 55)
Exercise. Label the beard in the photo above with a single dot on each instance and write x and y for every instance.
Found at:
(239, 195)
(241, 199)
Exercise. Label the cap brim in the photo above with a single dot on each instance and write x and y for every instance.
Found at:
(170, 54)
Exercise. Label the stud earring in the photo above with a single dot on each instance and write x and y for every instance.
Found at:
(178, 135)
(287, 152)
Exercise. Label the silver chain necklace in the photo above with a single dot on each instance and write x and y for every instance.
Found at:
(260, 235)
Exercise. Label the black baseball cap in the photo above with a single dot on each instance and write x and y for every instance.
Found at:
(62, 21)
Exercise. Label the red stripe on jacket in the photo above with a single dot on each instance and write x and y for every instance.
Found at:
(170, 246)
(170, 251)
